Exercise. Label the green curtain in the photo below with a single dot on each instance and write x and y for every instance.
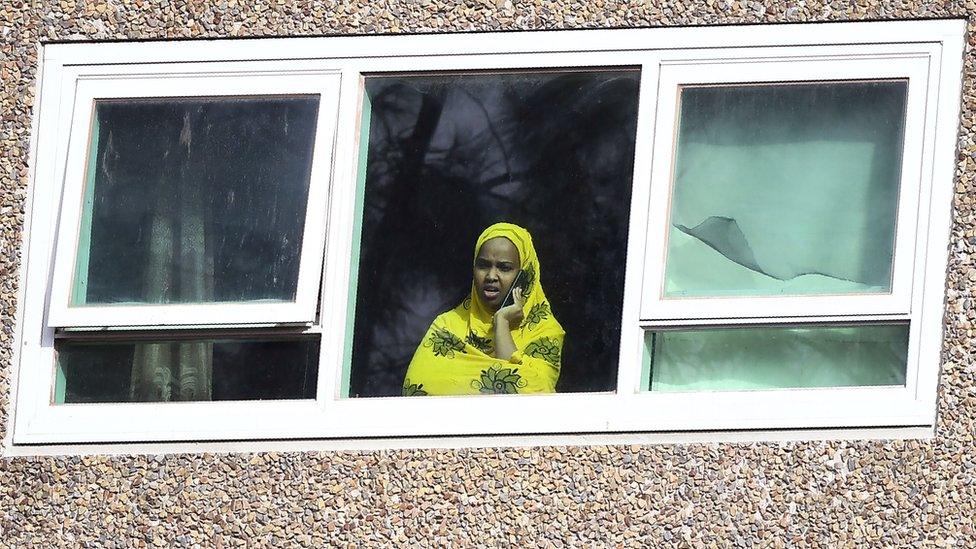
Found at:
(777, 358)
(785, 190)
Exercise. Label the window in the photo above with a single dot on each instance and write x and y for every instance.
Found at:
(194, 197)
(715, 229)
(452, 153)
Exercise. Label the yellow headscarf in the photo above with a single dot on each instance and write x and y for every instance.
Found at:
(455, 356)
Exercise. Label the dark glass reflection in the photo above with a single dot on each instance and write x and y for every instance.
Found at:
(196, 200)
(449, 155)
(188, 370)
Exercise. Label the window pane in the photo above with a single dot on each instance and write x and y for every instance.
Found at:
(187, 370)
(446, 157)
(195, 200)
(786, 189)
(730, 359)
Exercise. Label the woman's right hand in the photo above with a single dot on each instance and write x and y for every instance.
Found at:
(512, 314)
(505, 319)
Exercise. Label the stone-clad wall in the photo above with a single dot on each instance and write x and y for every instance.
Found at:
(818, 494)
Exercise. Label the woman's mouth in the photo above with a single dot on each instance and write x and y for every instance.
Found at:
(491, 292)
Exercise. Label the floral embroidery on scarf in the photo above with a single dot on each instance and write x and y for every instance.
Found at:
(413, 389)
(545, 348)
(529, 280)
(483, 344)
(538, 313)
(444, 343)
(499, 381)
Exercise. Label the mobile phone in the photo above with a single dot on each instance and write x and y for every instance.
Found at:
(521, 281)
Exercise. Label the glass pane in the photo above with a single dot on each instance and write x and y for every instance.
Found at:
(449, 155)
(786, 189)
(195, 200)
(187, 370)
(735, 359)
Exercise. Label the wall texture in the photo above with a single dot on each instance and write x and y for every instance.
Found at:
(810, 494)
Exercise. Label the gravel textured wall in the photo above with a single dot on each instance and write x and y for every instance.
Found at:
(817, 494)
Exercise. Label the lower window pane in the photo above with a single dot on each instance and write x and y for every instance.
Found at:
(734, 359)
(187, 370)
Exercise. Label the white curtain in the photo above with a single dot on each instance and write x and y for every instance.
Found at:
(180, 270)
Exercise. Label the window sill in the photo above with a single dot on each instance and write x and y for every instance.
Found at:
(771, 436)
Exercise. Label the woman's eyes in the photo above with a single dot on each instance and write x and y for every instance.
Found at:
(504, 267)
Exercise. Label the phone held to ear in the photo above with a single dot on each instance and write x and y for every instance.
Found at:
(521, 281)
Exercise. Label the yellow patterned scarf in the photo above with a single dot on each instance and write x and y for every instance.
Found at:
(455, 356)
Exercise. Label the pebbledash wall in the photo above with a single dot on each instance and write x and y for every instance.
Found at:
(820, 493)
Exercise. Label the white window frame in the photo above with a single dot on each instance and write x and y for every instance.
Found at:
(659, 53)
(93, 84)
(880, 64)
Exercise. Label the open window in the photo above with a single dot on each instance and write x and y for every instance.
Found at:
(189, 229)
(790, 212)
(194, 200)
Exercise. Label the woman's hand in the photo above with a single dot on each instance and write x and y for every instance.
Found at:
(505, 319)
(512, 314)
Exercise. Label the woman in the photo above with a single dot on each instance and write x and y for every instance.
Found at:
(480, 347)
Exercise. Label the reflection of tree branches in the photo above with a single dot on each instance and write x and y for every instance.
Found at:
(385, 296)
(491, 128)
(556, 157)
(583, 159)
(499, 180)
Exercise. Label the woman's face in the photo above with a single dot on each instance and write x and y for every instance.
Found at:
(495, 269)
